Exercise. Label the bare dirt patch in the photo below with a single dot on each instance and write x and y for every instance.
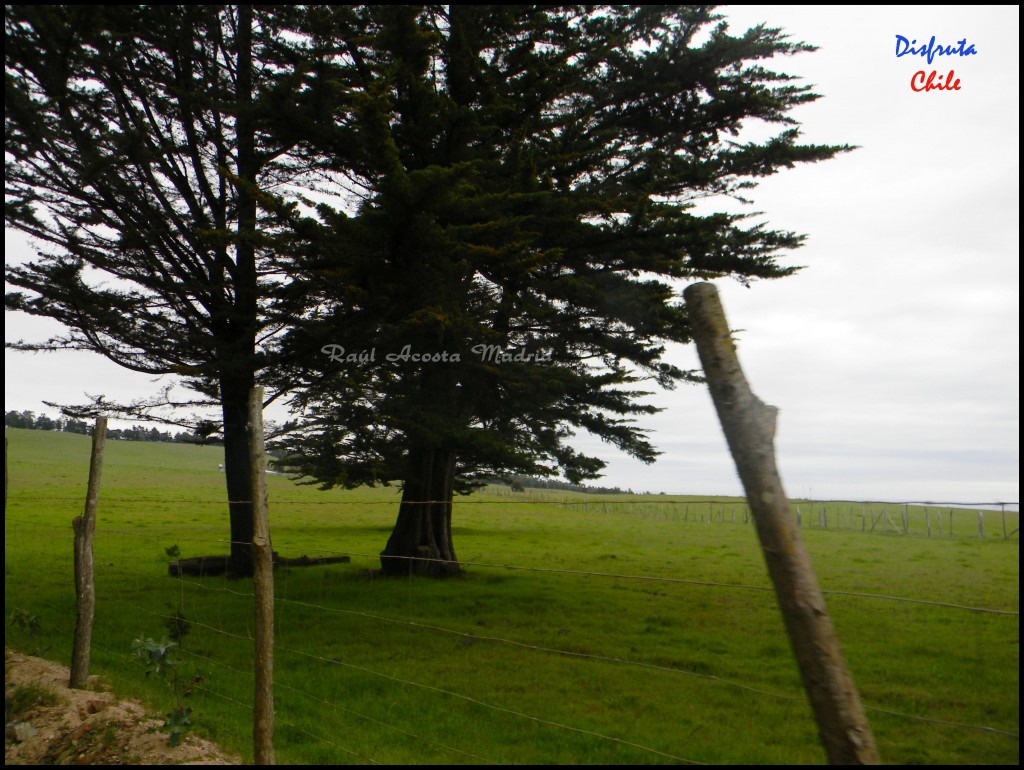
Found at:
(49, 724)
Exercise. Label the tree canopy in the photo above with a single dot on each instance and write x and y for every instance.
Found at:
(527, 179)
(136, 152)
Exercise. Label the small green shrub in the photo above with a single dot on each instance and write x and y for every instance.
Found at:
(156, 656)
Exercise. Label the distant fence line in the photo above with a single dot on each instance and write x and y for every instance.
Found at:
(866, 516)
(930, 518)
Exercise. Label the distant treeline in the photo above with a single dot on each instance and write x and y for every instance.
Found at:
(519, 483)
(32, 421)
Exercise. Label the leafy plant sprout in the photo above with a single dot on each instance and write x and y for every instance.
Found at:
(156, 656)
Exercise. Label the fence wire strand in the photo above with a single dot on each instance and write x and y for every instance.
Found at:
(490, 706)
(385, 725)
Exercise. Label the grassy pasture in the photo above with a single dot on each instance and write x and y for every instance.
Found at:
(571, 639)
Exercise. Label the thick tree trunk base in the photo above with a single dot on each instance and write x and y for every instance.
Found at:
(421, 542)
(205, 566)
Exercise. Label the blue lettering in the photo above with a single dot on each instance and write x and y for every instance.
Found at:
(905, 47)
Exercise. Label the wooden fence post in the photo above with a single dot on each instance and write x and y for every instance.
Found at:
(85, 585)
(749, 427)
(263, 586)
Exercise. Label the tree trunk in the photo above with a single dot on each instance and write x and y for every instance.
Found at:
(421, 543)
(238, 475)
(239, 374)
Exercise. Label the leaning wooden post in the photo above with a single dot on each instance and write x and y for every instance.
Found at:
(749, 427)
(263, 587)
(85, 586)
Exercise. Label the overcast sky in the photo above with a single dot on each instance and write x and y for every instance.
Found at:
(893, 356)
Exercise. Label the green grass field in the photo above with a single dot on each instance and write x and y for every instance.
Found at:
(582, 631)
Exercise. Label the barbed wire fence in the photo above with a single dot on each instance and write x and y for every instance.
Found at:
(205, 604)
(116, 570)
(122, 569)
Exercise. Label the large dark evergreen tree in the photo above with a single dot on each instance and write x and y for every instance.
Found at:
(138, 159)
(526, 177)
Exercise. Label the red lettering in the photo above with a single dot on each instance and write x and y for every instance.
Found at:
(932, 82)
